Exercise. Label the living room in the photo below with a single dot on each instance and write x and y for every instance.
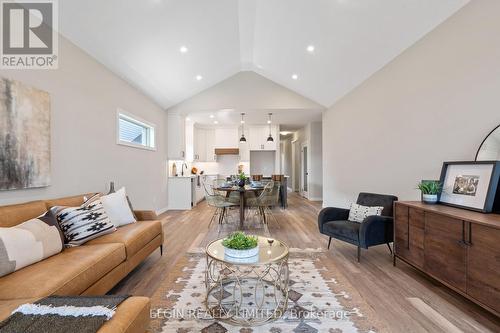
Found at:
(250, 166)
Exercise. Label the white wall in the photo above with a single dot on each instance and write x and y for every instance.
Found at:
(225, 166)
(433, 103)
(85, 156)
(315, 161)
(311, 134)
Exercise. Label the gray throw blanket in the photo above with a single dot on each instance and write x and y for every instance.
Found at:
(62, 314)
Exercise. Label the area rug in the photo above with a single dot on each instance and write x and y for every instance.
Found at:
(321, 299)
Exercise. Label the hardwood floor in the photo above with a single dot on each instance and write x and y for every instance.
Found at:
(403, 298)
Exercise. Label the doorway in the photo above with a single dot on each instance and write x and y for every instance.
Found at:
(304, 170)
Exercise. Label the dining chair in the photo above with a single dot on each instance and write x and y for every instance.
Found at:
(268, 198)
(218, 202)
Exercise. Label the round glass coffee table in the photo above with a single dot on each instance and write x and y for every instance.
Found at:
(250, 291)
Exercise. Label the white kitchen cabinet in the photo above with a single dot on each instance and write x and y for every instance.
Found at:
(176, 137)
(204, 145)
(226, 137)
(181, 192)
(199, 188)
(258, 135)
(199, 147)
(210, 145)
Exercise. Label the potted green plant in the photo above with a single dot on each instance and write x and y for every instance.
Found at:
(239, 245)
(430, 190)
(242, 179)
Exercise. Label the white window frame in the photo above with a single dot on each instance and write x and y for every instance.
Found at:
(120, 113)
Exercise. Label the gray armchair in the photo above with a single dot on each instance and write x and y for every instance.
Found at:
(374, 230)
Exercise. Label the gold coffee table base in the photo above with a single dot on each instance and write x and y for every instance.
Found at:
(246, 293)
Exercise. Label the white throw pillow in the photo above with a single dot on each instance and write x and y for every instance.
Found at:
(359, 213)
(116, 206)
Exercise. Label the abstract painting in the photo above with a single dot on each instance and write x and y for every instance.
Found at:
(24, 136)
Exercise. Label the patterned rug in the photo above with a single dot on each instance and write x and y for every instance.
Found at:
(320, 300)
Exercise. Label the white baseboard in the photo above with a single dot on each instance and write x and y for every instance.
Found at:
(161, 210)
(315, 199)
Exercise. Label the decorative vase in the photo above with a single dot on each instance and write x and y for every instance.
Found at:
(241, 183)
(430, 198)
(241, 253)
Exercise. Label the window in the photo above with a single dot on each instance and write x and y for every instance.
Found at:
(135, 132)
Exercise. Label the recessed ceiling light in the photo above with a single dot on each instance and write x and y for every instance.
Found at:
(295, 76)
(212, 116)
(188, 119)
(216, 122)
(310, 48)
(242, 122)
(199, 77)
(269, 121)
(183, 49)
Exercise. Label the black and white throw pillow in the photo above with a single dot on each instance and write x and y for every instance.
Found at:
(359, 213)
(81, 224)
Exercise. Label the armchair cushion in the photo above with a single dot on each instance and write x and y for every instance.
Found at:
(346, 230)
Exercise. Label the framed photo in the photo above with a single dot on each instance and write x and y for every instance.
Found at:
(470, 185)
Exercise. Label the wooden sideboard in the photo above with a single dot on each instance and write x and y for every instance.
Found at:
(457, 247)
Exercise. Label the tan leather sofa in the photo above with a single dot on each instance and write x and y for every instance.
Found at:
(91, 269)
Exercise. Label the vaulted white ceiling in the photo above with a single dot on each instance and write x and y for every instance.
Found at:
(140, 40)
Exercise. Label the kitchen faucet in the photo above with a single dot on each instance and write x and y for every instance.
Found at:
(182, 168)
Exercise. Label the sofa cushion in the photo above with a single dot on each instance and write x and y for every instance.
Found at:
(344, 229)
(134, 236)
(14, 214)
(75, 200)
(68, 273)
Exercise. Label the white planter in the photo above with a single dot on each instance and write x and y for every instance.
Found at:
(249, 260)
(241, 253)
(430, 198)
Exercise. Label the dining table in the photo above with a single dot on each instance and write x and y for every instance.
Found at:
(242, 191)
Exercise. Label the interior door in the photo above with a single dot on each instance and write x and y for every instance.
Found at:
(304, 184)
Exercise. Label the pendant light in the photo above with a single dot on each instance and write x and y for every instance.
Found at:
(270, 137)
(243, 139)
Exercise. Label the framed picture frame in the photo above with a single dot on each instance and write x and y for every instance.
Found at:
(470, 185)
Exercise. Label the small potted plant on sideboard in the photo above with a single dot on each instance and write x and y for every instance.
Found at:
(430, 190)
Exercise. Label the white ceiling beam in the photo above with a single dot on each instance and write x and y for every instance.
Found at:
(246, 18)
